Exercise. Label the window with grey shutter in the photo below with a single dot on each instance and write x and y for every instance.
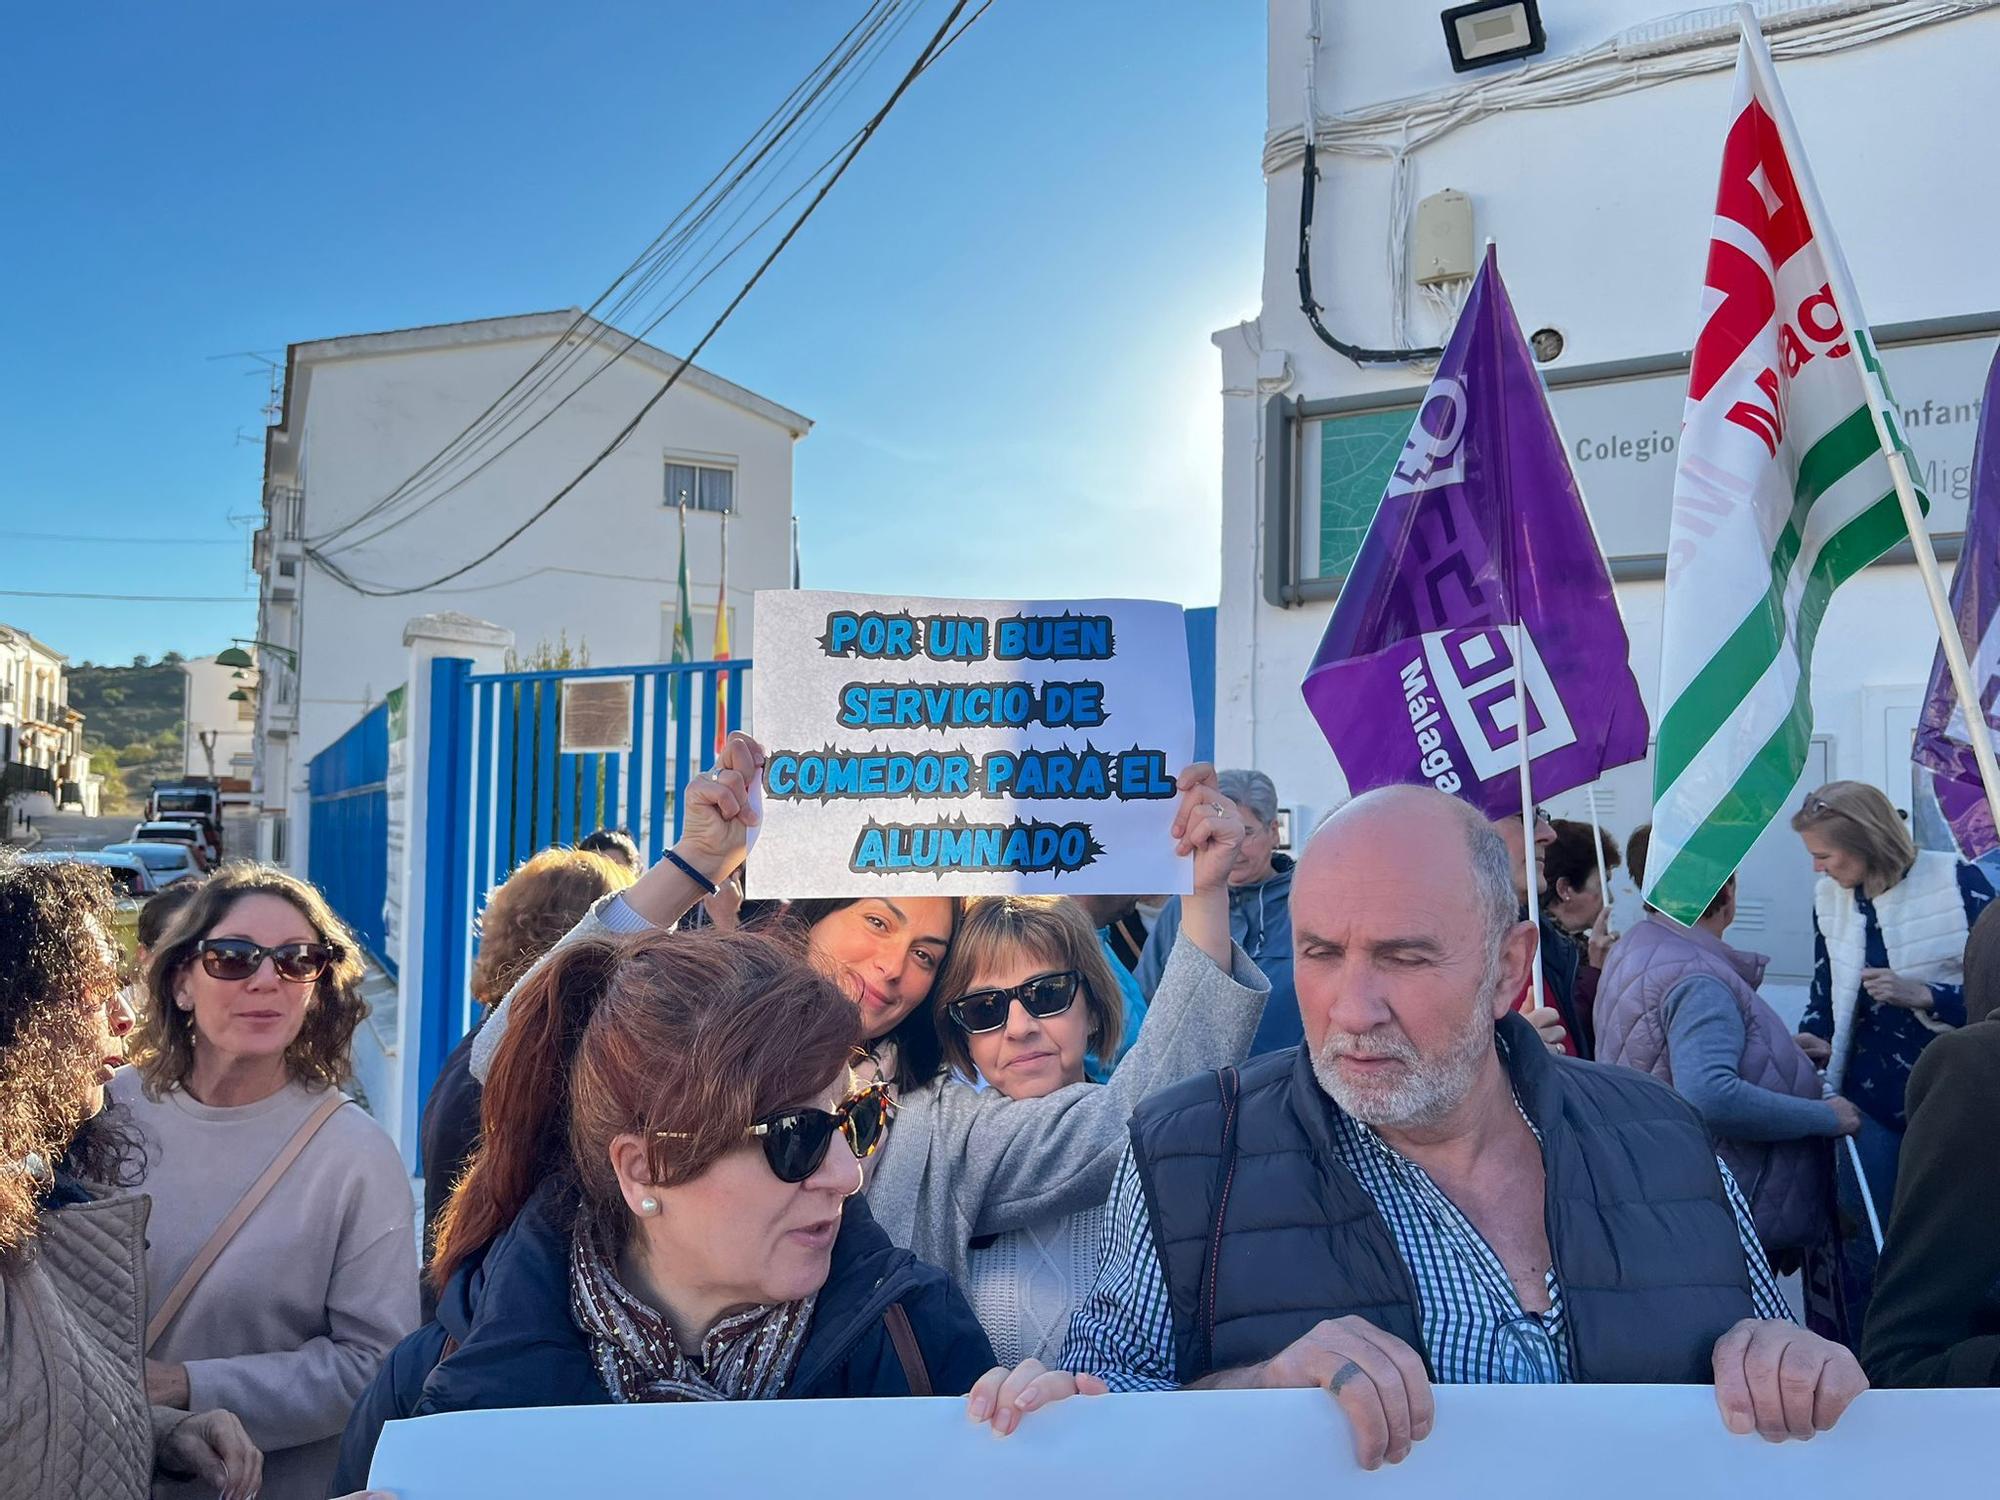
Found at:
(709, 487)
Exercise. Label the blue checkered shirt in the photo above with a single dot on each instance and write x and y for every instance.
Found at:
(1475, 1330)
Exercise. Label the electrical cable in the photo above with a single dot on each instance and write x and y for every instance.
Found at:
(931, 50)
(684, 289)
(662, 253)
(876, 40)
(665, 238)
(1360, 356)
(632, 340)
(1637, 59)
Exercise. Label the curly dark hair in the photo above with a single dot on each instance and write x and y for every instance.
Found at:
(56, 959)
(321, 1054)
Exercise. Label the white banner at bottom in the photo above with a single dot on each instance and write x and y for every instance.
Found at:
(1496, 1442)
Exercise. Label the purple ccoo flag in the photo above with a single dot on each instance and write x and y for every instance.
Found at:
(1481, 526)
(1975, 590)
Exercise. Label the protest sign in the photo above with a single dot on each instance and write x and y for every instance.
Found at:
(1635, 1442)
(961, 747)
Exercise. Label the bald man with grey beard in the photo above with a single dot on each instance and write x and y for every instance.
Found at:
(1423, 1193)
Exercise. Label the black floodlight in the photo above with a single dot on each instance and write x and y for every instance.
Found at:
(1493, 31)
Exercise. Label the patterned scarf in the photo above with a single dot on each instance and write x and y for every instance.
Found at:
(747, 1356)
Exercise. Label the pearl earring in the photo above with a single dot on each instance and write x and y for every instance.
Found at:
(649, 1205)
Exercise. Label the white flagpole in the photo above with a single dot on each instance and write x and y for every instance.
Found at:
(1527, 805)
(1867, 1193)
(1597, 844)
(1848, 303)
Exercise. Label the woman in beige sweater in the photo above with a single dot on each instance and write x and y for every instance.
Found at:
(74, 1420)
(253, 1006)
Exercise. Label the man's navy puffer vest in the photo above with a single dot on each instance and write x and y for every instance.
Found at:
(1646, 1247)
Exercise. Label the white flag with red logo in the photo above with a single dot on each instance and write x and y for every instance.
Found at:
(1782, 492)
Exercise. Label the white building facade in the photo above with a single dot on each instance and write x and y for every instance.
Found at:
(219, 734)
(43, 765)
(350, 549)
(1593, 168)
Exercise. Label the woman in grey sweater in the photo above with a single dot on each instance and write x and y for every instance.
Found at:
(1027, 994)
(960, 1162)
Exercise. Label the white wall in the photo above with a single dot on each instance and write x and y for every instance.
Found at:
(1600, 212)
(600, 567)
(208, 709)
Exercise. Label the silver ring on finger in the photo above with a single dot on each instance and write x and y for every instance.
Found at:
(1343, 1377)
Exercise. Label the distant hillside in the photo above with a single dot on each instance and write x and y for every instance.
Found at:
(131, 726)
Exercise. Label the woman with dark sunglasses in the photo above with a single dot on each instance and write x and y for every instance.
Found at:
(665, 1205)
(1028, 995)
(960, 1163)
(252, 1003)
(965, 1164)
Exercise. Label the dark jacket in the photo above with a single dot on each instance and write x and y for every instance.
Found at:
(449, 1136)
(1646, 1246)
(1260, 920)
(1935, 1316)
(507, 1311)
(1562, 962)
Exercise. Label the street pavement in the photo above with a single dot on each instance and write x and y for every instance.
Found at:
(63, 831)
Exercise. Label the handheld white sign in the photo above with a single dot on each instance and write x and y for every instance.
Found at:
(965, 747)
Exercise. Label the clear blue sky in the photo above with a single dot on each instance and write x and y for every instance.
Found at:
(999, 321)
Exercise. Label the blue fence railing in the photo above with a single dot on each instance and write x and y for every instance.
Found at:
(347, 850)
(502, 787)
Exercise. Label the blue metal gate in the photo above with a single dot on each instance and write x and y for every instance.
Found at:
(501, 788)
(347, 849)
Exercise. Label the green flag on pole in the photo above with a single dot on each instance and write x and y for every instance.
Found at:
(1784, 490)
(682, 648)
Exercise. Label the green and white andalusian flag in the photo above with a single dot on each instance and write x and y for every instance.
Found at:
(1782, 492)
(681, 646)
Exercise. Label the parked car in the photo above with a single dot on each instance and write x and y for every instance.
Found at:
(168, 861)
(197, 799)
(174, 833)
(204, 835)
(131, 877)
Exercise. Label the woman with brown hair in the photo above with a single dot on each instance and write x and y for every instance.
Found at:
(1029, 993)
(543, 899)
(960, 1163)
(74, 1420)
(281, 1252)
(1889, 930)
(664, 1207)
